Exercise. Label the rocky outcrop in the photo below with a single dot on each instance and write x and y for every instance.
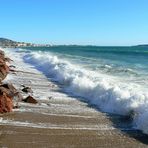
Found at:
(7, 91)
(6, 103)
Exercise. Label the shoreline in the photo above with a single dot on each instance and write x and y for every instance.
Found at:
(68, 121)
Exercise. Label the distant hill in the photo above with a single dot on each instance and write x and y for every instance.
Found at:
(144, 45)
(6, 42)
(10, 43)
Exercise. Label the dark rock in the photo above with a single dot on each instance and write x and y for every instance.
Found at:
(27, 89)
(12, 70)
(30, 99)
(8, 59)
(15, 107)
(50, 97)
(12, 66)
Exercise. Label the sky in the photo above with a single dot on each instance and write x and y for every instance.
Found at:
(82, 22)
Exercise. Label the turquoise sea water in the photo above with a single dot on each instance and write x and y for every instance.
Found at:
(128, 62)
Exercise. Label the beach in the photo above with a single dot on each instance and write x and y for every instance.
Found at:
(60, 119)
(73, 74)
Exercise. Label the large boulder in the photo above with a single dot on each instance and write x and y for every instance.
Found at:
(7, 92)
(9, 89)
(6, 103)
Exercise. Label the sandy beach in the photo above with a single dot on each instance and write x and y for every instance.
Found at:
(60, 120)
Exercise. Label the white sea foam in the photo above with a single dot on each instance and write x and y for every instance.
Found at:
(108, 93)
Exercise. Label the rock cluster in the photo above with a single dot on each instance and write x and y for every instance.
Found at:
(8, 91)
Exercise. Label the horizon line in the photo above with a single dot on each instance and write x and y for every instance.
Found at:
(52, 44)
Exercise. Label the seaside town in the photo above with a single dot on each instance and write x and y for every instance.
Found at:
(13, 44)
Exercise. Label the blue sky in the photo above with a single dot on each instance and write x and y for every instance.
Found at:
(97, 22)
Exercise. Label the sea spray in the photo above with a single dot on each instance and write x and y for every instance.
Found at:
(109, 95)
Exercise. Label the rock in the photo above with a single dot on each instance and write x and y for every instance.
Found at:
(50, 97)
(27, 89)
(4, 69)
(3, 72)
(2, 55)
(16, 107)
(12, 70)
(8, 59)
(9, 89)
(30, 99)
(6, 103)
(7, 93)
(12, 66)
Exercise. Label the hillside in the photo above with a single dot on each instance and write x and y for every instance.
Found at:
(10, 43)
(7, 42)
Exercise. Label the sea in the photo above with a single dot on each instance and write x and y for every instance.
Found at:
(112, 79)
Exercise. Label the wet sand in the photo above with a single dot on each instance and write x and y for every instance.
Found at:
(62, 121)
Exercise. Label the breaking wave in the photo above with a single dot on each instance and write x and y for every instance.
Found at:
(108, 93)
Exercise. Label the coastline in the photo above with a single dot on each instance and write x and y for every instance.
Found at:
(59, 120)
